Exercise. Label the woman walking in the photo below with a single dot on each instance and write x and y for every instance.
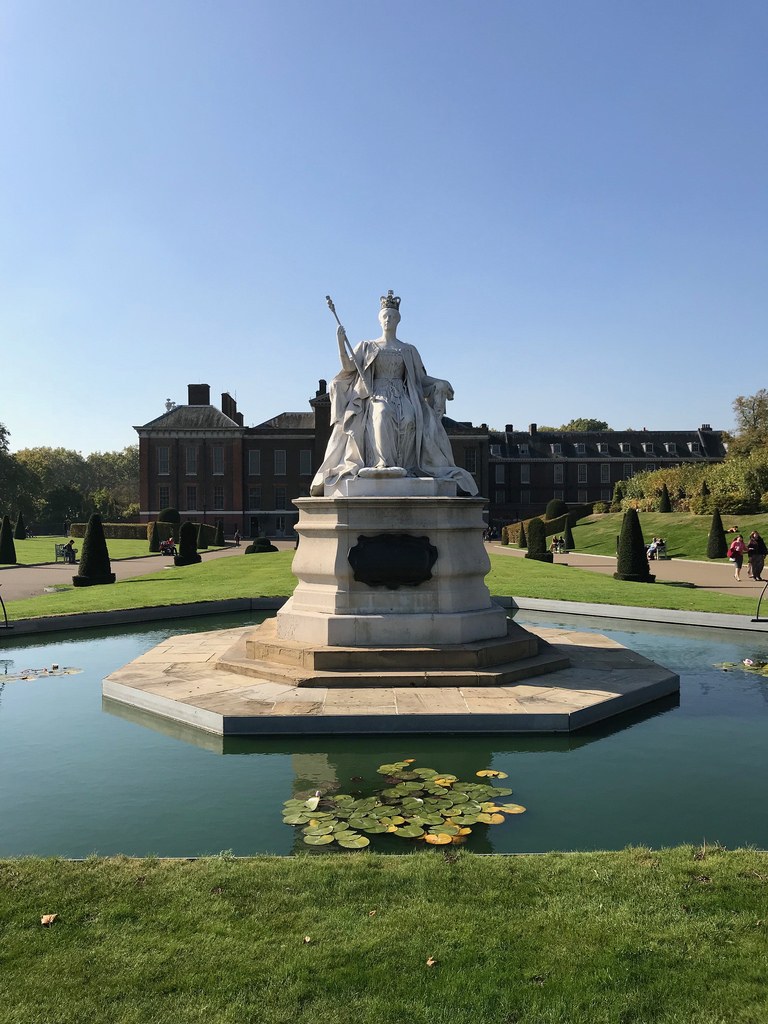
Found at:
(736, 553)
(756, 551)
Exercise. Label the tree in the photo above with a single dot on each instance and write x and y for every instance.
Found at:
(632, 561)
(555, 508)
(751, 412)
(717, 546)
(95, 568)
(618, 496)
(537, 542)
(522, 540)
(187, 546)
(20, 531)
(665, 505)
(7, 547)
(64, 504)
(579, 423)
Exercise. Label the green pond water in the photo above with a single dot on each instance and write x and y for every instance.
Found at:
(79, 777)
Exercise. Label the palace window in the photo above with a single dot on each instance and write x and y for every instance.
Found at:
(279, 461)
(523, 449)
(191, 459)
(191, 498)
(582, 497)
(163, 462)
(627, 470)
(305, 462)
(557, 449)
(559, 471)
(163, 497)
(671, 448)
(254, 462)
(218, 460)
(625, 447)
(605, 473)
(470, 460)
(582, 477)
(499, 473)
(254, 497)
(581, 448)
(218, 498)
(501, 496)
(525, 474)
(281, 497)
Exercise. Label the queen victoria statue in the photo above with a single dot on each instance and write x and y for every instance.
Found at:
(386, 412)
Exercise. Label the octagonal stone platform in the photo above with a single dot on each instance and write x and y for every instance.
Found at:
(192, 679)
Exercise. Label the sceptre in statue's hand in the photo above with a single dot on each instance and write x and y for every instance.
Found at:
(347, 356)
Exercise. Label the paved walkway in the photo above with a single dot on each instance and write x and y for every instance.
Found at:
(714, 576)
(20, 581)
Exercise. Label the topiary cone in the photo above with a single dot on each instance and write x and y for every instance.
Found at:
(187, 546)
(522, 540)
(632, 561)
(218, 540)
(568, 536)
(95, 568)
(665, 505)
(537, 542)
(717, 546)
(7, 547)
(20, 532)
(202, 542)
(154, 540)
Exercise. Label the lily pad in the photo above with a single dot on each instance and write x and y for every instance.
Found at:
(355, 842)
(491, 819)
(445, 829)
(317, 830)
(512, 808)
(438, 840)
(318, 840)
(409, 831)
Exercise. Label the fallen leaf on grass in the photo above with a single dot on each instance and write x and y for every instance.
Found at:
(47, 920)
(307, 939)
(371, 913)
(431, 961)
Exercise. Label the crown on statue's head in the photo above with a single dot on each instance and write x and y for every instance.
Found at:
(390, 301)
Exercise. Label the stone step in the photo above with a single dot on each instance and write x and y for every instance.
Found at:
(517, 645)
(548, 660)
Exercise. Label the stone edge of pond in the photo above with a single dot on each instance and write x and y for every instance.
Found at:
(627, 613)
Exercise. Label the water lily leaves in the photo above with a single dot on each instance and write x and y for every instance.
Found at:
(353, 842)
(312, 803)
(466, 819)
(512, 808)
(317, 830)
(425, 773)
(465, 831)
(441, 780)
(373, 827)
(500, 791)
(394, 819)
(438, 840)
(490, 819)
(489, 773)
(445, 829)
(318, 840)
(296, 819)
(410, 831)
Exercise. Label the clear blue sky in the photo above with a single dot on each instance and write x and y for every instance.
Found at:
(570, 197)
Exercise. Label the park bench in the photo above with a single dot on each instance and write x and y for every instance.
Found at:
(60, 552)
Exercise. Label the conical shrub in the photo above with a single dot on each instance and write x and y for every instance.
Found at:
(568, 536)
(665, 505)
(187, 546)
(154, 539)
(20, 532)
(7, 547)
(95, 568)
(537, 542)
(632, 562)
(717, 546)
(202, 538)
(522, 540)
(618, 496)
(218, 540)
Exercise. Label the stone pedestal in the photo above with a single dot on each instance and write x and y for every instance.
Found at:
(346, 540)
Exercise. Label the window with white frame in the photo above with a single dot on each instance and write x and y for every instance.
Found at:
(605, 473)
(602, 447)
(305, 462)
(163, 497)
(582, 471)
(218, 498)
(581, 448)
(254, 462)
(191, 498)
(625, 447)
(254, 497)
(648, 447)
(280, 461)
(495, 449)
(671, 448)
(557, 448)
(582, 497)
(470, 460)
(280, 525)
(695, 447)
(163, 461)
(217, 460)
(627, 470)
(559, 469)
(191, 459)
(281, 497)
(523, 449)
(499, 473)
(525, 474)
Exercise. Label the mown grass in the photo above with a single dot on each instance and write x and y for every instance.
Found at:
(38, 550)
(269, 575)
(686, 535)
(667, 937)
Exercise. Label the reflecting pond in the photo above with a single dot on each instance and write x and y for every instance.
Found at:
(77, 777)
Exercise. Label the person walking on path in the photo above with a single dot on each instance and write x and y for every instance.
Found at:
(736, 553)
(756, 551)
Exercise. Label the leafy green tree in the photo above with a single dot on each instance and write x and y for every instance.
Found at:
(522, 541)
(665, 505)
(579, 423)
(717, 546)
(95, 568)
(751, 413)
(537, 542)
(618, 496)
(64, 504)
(7, 547)
(632, 561)
(20, 530)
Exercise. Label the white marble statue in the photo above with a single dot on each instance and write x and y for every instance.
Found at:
(386, 412)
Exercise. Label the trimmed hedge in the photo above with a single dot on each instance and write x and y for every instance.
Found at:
(259, 546)
(551, 526)
(95, 568)
(522, 540)
(114, 531)
(665, 505)
(555, 509)
(20, 532)
(717, 546)
(537, 542)
(7, 547)
(187, 546)
(154, 539)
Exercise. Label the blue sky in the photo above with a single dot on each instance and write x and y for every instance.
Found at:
(569, 197)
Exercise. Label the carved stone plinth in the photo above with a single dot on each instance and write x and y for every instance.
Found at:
(391, 592)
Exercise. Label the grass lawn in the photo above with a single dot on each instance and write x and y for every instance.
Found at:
(667, 937)
(37, 550)
(269, 575)
(686, 535)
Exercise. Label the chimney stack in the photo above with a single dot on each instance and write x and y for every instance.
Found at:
(199, 394)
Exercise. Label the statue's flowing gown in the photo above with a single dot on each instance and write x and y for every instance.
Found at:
(394, 425)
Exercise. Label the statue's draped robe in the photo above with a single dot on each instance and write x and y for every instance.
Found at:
(346, 453)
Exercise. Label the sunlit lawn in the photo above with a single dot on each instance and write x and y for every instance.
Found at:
(37, 550)
(269, 575)
(669, 937)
